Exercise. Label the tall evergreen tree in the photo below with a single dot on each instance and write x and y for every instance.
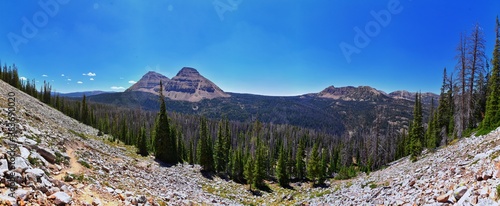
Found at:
(219, 150)
(300, 165)
(417, 129)
(85, 111)
(248, 171)
(281, 168)
(142, 144)
(314, 164)
(492, 116)
(205, 152)
(323, 167)
(163, 141)
(431, 129)
(259, 169)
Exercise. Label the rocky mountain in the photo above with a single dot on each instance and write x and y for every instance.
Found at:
(426, 97)
(149, 83)
(188, 85)
(366, 93)
(362, 93)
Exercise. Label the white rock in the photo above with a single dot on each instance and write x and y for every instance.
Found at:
(36, 171)
(20, 163)
(25, 153)
(61, 198)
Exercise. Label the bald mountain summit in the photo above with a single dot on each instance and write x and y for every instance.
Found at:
(188, 85)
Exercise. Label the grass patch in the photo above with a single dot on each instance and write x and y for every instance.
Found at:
(373, 186)
(81, 135)
(498, 191)
(454, 141)
(85, 164)
(483, 131)
(60, 159)
(79, 177)
(34, 161)
(319, 194)
(495, 155)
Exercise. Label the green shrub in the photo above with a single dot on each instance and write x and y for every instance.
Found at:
(346, 173)
(85, 164)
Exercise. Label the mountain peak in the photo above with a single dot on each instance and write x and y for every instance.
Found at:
(187, 85)
(190, 85)
(150, 82)
(350, 93)
(188, 71)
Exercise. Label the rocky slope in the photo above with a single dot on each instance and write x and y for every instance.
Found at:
(188, 85)
(466, 172)
(59, 161)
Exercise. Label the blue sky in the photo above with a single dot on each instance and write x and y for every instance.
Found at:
(277, 47)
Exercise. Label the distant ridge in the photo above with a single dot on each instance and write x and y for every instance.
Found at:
(80, 94)
(366, 93)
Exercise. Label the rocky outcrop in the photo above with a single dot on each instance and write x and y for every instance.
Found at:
(187, 85)
(362, 93)
(190, 85)
(427, 97)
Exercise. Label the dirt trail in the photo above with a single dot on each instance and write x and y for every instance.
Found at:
(74, 166)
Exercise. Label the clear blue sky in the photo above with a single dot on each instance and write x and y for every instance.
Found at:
(277, 47)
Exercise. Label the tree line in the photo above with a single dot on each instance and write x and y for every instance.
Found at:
(469, 101)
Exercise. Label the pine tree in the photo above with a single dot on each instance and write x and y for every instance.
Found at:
(492, 117)
(444, 110)
(237, 166)
(314, 164)
(142, 144)
(205, 152)
(248, 171)
(219, 155)
(227, 143)
(259, 169)
(281, 168)
(417, 129)
(431, 129)
(190, 153)
(85, 111)
(162, 132)
(323, 168)
(300, 166)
